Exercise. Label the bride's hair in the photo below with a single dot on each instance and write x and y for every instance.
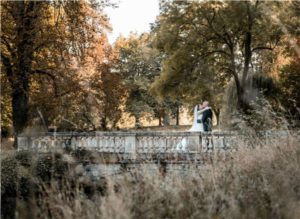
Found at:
(199, 106)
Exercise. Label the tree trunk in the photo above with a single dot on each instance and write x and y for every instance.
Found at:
(242, 101)
(177, 116)
(239, 93)
(20, 108)
(217, 112)
(243, 104)
(137, 122)
(21, 62)
(166, 120)
(20, 88)
(239, 88)
(161, 116)
(159, 121)
(247, 46)
(247, 57)
(103, 124)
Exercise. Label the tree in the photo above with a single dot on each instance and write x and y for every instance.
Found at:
(289, 74)
(113, 95)
(289, 84)
(39, 42)
(138, 64)
(226, 36)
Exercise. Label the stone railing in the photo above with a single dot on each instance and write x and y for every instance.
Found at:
(142, 143)
(131, 142)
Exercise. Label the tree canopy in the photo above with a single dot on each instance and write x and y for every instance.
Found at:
(48, 50)
(58, 68)
(212, 41)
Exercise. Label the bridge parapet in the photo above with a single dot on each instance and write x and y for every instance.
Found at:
(131, 142)
(144, 143)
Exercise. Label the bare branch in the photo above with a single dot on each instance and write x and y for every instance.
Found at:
(222, 37)
(214, 52)
(261, 48)
(38, 71)
(9, 48)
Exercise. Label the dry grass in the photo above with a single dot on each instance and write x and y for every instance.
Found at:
(254, 183)
(7, 144)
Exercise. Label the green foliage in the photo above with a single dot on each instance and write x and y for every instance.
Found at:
(58, 68)
(207, 43)
(289, 86)
(138, 64)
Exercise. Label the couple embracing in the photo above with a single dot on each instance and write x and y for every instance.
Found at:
(202, 118)
(202, 123)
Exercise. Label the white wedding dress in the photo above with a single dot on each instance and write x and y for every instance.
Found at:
(196, 127)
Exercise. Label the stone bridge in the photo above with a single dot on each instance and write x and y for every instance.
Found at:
(123, 150)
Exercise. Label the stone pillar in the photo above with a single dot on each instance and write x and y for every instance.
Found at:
(199, 146)
(193, 142)
(23, 143)
(130, 145)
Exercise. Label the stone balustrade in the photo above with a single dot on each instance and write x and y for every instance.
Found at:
(147, 143)
(130, 142)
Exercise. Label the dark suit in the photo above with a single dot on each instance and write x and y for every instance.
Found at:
(207, 120)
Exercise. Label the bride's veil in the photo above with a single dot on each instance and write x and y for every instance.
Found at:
(183, 143)
(195, 114)
(194, 119)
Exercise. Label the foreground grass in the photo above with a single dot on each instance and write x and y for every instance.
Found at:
(263, 182)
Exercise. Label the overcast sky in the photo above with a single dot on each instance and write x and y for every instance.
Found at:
(132, 15)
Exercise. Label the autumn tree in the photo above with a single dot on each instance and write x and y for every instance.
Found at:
(112, 92)
(40, 42)
(289, 85)
(212, 37)
(289, 76)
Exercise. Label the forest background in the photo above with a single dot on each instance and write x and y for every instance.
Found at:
(58, 69)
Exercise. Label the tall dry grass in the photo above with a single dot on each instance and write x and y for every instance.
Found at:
(260, 182)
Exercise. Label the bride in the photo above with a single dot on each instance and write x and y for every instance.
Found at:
(197, 120)
(196, 127)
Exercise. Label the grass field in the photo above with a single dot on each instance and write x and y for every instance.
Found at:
(260, 182)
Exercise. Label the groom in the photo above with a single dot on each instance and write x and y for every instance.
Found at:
(207, 117)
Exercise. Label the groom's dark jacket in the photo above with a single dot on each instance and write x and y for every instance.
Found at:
(207, 119)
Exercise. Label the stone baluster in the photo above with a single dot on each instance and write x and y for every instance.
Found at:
(110, 145)
(158, 144)
(105, 144)
(204, 144)
(23, 143)
(225, 144)
(100, 143)
(161, 144)
(117, 141)
(73, 143)
(168, 144)
(207, 144)
(140, 145)
(113, 147)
